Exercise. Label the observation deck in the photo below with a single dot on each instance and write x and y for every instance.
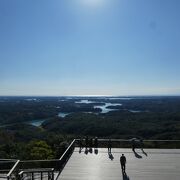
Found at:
(155, 162)
(151, 164)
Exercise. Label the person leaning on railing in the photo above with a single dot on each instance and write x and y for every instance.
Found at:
(86, 142)
(96, 142)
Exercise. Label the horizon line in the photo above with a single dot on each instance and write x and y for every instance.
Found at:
(153, 95)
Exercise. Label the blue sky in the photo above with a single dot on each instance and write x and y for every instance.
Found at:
(89, 47)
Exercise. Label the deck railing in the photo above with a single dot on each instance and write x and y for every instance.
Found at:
(66, 155)
(39, 174)
(7, 164)
(127, 143)
(32, 168)
(12, 175)
(6, 167)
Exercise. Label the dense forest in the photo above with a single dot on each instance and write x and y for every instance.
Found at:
(143, 117)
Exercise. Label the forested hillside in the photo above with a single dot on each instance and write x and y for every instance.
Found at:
(143, 117)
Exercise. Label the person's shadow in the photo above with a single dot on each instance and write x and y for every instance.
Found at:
(80, 149)
(96, 151)
(86, 151)
(111, 157)
(90, 150)
(144, 152)
(125, 176)
(137, 155)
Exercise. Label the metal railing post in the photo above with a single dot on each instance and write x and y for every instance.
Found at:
(53, 174)
(13, 168)
(32, 174)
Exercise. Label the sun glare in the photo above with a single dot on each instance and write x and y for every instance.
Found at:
(92, 3)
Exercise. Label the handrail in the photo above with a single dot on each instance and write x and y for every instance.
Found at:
(148, 140)
(4, 170)
(3, 177)
(64, 155)
(8, 160)
(72, 143)
(38, 170)
(43, 160)
(34, 171)
(39, 164)
(13, 168)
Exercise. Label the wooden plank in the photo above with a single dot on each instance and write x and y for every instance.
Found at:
(159, 164)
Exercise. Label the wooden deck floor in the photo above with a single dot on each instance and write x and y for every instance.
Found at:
(157, 164)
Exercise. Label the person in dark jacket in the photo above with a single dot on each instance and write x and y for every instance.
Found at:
(90, 142)
(86, 142)
(96, 143)
(80, 145)
(109, 146)
(123, 163)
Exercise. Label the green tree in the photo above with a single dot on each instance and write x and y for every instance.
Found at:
(39, 150)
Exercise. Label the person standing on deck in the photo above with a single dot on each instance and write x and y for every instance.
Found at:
(133, 141)
(109, 146)
(96, 143)
(80, 144)
(123, 163)
(86, 142)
